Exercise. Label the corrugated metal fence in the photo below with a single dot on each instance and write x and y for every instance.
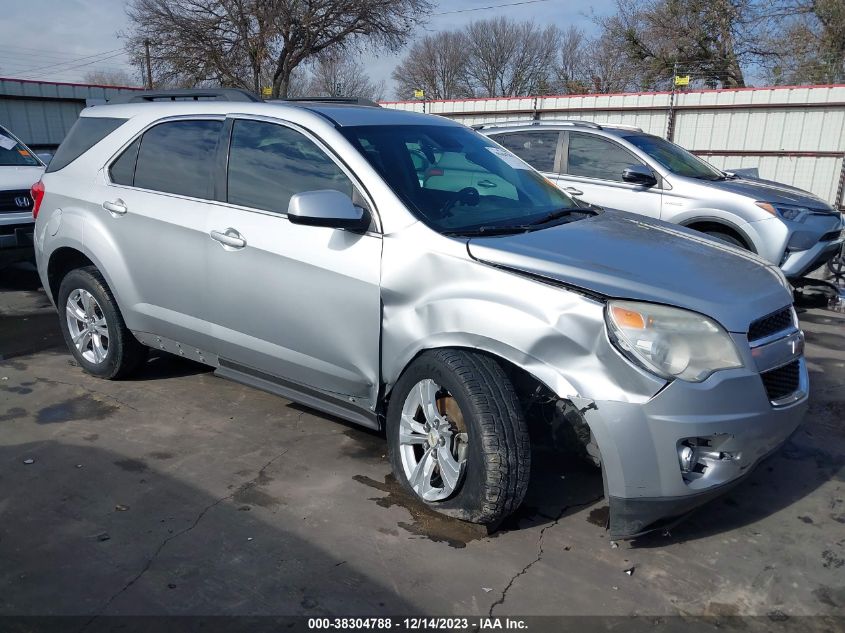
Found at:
(794, 135)
(40, 112)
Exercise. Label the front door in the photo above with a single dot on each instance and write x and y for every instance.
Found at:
(301, 303)
(591, 169)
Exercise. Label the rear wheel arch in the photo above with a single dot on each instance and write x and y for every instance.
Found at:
(61, 262)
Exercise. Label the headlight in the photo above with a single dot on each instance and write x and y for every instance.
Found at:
(786, 211)
(670, 342)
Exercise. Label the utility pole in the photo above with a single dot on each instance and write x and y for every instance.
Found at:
(670, 119)
(149, 65)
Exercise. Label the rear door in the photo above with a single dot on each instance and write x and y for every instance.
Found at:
(300, 303)
(155, 208)
(539, 148)
(591, 169)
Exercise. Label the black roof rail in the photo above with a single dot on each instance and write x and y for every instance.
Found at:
(341, 100)
(187, 94)
(528, 123)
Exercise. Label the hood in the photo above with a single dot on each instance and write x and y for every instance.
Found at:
(769, 191)
(620, 255)
(16, 177)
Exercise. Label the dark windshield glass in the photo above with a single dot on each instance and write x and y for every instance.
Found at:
(15, 154)
(675, 158)
(454, 179)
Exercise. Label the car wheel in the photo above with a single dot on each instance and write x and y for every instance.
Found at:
(93, 327)
(727, 238)
(457, 438)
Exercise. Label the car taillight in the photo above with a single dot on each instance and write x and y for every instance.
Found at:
(37, 192)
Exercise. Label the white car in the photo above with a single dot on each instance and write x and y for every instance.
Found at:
(20, 168)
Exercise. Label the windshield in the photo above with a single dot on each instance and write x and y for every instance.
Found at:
(675, 158)
(14, 154)
(456, 180)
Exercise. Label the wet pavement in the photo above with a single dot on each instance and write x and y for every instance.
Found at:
(177, 492)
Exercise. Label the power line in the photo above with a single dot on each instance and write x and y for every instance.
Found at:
(74, 60)
(96, 61)
(494, 6)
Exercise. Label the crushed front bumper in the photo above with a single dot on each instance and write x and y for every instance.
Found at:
(730, 415)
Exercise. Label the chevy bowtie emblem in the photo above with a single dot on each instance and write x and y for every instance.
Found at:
(22, 202)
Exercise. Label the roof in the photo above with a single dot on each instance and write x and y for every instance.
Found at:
(340, 112)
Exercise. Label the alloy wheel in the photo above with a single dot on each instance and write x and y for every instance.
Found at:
(87, 325)
(433, 441)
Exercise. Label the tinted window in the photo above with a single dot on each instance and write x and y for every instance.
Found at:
(269, 163)
(591, 156)
(85, 133)
(178, 157)
(535, 148)
(674, 157)
(122, 171)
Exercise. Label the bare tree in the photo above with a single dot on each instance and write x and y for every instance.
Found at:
(709, 39)
(509, 58)
(111, 78)
(605, 68)
(809, 48)
(437, 64)
(335, 74)
(572, 61)
(252, 43)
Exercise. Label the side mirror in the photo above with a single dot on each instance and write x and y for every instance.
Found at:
(326, 207)
(639, 175)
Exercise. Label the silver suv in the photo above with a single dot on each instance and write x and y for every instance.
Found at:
(20, 168)
(356, 260)
(621, 167)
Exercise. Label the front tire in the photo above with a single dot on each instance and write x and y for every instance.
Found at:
(727, 238)
(457, 438)
(93, 327)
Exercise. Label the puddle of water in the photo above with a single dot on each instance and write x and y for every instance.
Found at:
(12, 414)
(80, 408)
(599, 516)
(364, 445)
(425, 522)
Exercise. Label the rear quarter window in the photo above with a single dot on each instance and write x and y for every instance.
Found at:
(85, 133)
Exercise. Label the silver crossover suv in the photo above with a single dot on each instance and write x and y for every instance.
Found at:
(623, 168)
(326, 252)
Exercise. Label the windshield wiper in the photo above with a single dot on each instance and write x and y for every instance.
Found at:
(489, 230)
(562, 213)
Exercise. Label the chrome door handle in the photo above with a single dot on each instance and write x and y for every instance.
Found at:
(573, 191)
(118, 206)
(487, 184)
(229, 237)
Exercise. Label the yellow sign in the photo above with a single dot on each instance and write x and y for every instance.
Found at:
(682, 81)
(266, 91)
(419, 94)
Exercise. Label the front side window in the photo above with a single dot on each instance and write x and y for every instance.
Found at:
(674, 157)
(178, 157)
(458, 181)
(269, 163)
(14, 154)
(537, 148)
(592, 156)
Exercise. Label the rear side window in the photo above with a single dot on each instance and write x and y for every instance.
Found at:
(269, 163)
(178, 157)
(85, 133)
(14, 154)
(535, 148)
(591, 156)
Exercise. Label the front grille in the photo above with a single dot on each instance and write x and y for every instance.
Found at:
(9, 201)
(771, 324)
(782, 381)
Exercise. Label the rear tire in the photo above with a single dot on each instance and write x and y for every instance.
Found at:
(472, 425)
(93, 327)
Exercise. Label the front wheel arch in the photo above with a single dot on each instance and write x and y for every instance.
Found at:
(720, 226)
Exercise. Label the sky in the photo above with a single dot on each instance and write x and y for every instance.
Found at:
(81, 36)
